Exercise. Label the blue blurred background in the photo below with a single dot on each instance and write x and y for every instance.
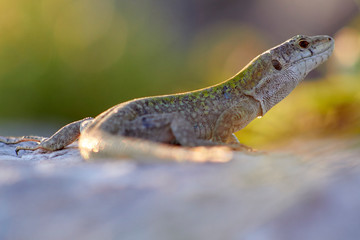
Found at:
(63, 60)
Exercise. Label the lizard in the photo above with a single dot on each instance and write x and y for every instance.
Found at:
(205, 117)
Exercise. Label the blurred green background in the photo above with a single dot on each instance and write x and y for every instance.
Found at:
(63, 60)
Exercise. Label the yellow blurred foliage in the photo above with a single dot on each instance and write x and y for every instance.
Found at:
(315, 108)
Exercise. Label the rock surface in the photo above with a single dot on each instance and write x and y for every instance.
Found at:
(311, 193)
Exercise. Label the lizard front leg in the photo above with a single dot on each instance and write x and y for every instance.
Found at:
(232, 120)
(166, 128)
(184, 133)
(63, 137)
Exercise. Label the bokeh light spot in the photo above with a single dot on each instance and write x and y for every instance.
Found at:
(347, 48)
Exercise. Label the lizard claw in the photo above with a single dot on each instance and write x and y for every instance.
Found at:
(241, 147)
(17, 151)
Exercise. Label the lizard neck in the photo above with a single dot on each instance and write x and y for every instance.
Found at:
(259, 81)
(243, 84)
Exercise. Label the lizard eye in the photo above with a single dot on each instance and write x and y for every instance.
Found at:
(276, 64)
(303, 44)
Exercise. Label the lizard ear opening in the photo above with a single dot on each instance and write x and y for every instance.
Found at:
(276, 64)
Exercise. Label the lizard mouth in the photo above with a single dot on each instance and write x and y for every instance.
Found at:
(322, 56)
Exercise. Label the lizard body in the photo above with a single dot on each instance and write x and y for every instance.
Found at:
(206, 117)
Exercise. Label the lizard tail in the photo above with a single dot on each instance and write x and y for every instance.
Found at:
(101, 145)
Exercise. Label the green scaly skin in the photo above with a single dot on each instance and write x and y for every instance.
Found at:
(205, 117)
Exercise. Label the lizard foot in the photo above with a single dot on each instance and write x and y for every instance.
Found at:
(26, 148)
(242, 148)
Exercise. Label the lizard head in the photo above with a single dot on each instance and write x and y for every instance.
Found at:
(274, 74)
(301, 54)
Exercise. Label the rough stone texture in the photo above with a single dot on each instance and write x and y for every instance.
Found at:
(312, 193)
